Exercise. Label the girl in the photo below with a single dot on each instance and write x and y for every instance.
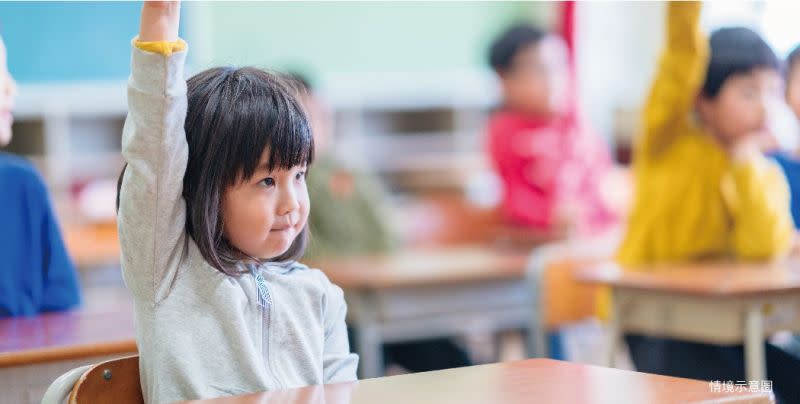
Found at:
(212, 215)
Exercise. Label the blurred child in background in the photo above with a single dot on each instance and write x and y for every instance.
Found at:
(348, 219)
(789, 160)
(704, 189)
(697, 162)
(551, 165)
(36, 275)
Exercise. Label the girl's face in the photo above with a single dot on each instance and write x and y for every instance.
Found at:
(7, 93)
(263, 215)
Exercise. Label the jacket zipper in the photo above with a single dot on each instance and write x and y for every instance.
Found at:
(266, 303)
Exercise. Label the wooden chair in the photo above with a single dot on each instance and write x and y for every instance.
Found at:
(557, 298)
(113, 381)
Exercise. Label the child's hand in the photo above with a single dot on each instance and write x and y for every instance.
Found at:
(746, 148)
(568, 218)
(160, 21)
(767, 142)
(616, 191)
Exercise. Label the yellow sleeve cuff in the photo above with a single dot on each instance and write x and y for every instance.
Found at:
(165, 48)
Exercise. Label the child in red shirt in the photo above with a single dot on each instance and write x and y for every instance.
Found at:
(551, 165)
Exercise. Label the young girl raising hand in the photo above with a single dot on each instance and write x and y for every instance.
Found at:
(212, 216)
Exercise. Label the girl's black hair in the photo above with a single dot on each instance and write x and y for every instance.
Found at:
(233, 116)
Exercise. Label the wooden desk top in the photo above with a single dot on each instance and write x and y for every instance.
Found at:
(533, 380)
(425, 267)
(99, 328)
(716, 279)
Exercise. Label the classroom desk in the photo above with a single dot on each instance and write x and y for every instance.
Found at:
(717, 303)
(92, 245)
(34, 351)
(426, 293)
(529, 381)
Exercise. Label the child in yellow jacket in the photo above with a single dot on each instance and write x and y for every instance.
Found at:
(703, 187)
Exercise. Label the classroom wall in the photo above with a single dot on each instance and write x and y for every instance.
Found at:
(84, 37)
(69, 41)
(331, 37)
(618, 44)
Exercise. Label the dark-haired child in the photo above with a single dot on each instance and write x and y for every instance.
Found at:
(704, 189)
(36, 274)
(550, 164)
(348, 219)
(212, 216)
(790, 160)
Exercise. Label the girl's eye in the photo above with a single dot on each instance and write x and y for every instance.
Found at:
(269, 181)
(300, 175)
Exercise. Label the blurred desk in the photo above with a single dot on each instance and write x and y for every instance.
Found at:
(419, 294)
(34, 351)
(716, 303)
(446, 220)
(92, 244)
(533, 380)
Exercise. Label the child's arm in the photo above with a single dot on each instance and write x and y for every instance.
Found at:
(152, 212)
(338, 363)
(678, 80)
(567, 28)
(758, 199)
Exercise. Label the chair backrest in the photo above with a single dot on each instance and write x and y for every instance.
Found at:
(114, 381)
(564, 300)
(558, 298)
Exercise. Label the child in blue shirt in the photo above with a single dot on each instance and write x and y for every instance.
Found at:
(36, 275)
(790, 160)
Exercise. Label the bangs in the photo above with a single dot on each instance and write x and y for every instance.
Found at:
(256, 112)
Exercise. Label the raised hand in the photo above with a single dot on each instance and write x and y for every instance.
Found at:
(160, 21)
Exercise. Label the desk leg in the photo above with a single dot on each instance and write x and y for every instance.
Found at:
(754, 359)
(369, 351)
(614, 333)
(369, 342)
(537, 336)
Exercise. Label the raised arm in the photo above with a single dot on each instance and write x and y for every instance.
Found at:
(152, 211)
(679, 78)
